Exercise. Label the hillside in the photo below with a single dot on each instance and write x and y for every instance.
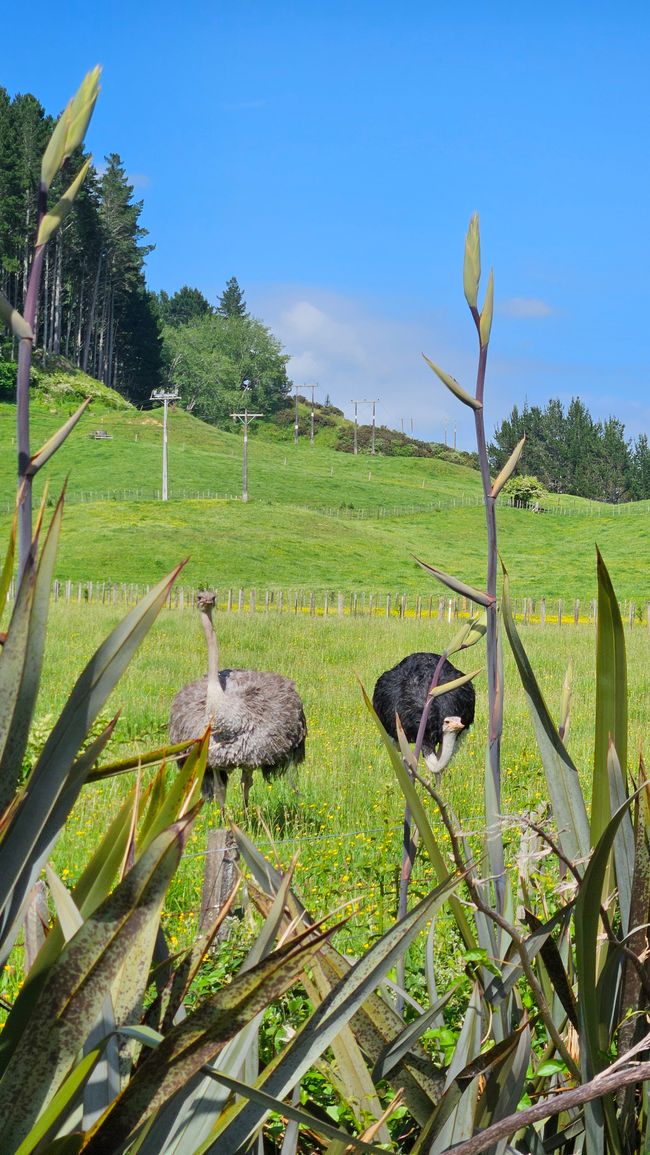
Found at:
(317, 518)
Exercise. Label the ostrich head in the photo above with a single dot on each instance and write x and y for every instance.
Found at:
(451, 728)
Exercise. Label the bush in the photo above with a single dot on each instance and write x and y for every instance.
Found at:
(522, 491)
(8, 371)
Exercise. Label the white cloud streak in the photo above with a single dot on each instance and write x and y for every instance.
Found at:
(355, 350)
(525, 307)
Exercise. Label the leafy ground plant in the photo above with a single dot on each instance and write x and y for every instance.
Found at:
(99, 1052)
(557, 1018)
(103, 1052)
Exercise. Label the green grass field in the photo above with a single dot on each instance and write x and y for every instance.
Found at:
(343, 830)
(346, 823)
(283, 537)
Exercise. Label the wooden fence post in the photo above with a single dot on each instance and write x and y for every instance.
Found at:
(559, 612)
(35, 922)
(339, 605)
(576, 611)
(542, 612)
(219, 878)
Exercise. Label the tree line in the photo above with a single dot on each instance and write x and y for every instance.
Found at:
(569, 452)
(221, 359)
(97, 312)
(95, 309)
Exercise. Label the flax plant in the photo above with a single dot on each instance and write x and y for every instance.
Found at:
(101, 1050)
(561, 982)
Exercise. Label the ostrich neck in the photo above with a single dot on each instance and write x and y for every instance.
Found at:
(214, 691)
(437, 763)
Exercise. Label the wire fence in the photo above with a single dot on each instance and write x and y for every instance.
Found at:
(330, 605)
(560, 507)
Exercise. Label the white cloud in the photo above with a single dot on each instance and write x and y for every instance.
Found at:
(139, 179)
(525, 307)
(355, 349)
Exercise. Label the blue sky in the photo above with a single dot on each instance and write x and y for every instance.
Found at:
(330, 155)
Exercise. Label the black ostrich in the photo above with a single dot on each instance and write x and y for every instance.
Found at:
(257, 719)
(403, 690)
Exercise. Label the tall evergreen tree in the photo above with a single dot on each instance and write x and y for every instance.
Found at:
(94, 308)
(638, 478)
(184, 306)
(569, 452)
(231, 301)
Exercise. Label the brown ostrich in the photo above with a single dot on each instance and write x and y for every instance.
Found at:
(257, 719)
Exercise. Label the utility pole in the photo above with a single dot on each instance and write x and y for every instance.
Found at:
(355, 450)
(165, 396)
(372, 447)
(295, 420)
(311, 431)
(363, 401)
(245, 419)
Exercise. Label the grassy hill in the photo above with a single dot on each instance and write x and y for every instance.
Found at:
(316, 518)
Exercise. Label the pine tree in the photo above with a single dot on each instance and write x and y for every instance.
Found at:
(186, 305)
(231, 301)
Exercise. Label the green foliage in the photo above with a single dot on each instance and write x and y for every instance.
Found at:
(8, 380)
(387, 441)
(97, 1045)
(56, 381)
(184, 306)
(97, 312)
(569, 452)
(231, 301)
(103, 1049)
(523, 490)
(221, 364)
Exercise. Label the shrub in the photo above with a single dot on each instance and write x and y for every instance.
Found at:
(7, 380)
(522, 491)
